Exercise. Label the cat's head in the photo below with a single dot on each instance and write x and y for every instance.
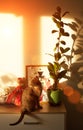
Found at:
(35, 81)
(36, 85)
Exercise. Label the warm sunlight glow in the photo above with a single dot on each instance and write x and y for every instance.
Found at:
(48, 39)
(11, 44)
(75, 97)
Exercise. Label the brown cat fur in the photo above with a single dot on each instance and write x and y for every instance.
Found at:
(30, 99)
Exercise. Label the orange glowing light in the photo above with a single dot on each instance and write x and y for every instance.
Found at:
(75, 97)
(68, 91)
(62, 85)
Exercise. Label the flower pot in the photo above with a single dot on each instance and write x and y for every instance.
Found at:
(54, 97)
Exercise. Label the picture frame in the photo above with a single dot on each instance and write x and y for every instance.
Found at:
(43, 73)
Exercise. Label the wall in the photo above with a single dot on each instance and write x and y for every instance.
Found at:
(31, 10)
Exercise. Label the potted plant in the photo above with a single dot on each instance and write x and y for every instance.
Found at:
(59, 67)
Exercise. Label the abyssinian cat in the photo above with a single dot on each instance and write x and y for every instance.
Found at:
(30, 100)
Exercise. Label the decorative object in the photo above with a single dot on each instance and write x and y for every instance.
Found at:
(14, 97)
(42, 72)
(8, 82)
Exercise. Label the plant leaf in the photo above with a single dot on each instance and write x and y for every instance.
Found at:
(64, 50)
(54, 20)
(53, 31)
(51, 70)
(56, 66)
(78, 21)
(75, 24)
(58, 8)
(57, 15)
(65, 13)
(73, 27)
(50, 67)
(65, 66)
(67, 49)
(73, 37)
(66, 34)
(57, 44)
(62, 74)
(57, 56)
(63, 42)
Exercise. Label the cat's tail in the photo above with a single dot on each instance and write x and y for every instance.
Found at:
(39, 121)
(20, 119)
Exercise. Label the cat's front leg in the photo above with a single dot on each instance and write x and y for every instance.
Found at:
(38, 105)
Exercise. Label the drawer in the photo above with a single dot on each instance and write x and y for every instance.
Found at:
(54, 121)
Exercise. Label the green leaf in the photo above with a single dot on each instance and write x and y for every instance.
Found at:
(54, 20)
(57, 56)
(51, 70)
(66, 34)
(75, 24)
(53, 31)
(62, 74)
(64, 50)
(50, 66)
(56, 66)
(63, 42)
(57, 15)
(54, 48)
(67, 49)
(73, 37)
(57, 44)
(65, 13)
(58, 24)
(63, 62)
(65, 66)
(68, 56)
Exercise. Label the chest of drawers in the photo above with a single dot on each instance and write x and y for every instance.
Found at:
(53, 118)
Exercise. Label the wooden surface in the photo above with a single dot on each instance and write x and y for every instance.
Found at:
(9, 108)
(46, 108)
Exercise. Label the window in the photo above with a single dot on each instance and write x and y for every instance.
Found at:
(11, 44)
(48, 39)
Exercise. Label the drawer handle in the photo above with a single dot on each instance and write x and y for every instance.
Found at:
(32, 123)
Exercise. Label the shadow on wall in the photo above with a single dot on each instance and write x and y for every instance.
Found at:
(76, 68)
(74, 98)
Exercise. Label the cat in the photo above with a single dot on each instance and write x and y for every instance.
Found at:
(30, 100)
